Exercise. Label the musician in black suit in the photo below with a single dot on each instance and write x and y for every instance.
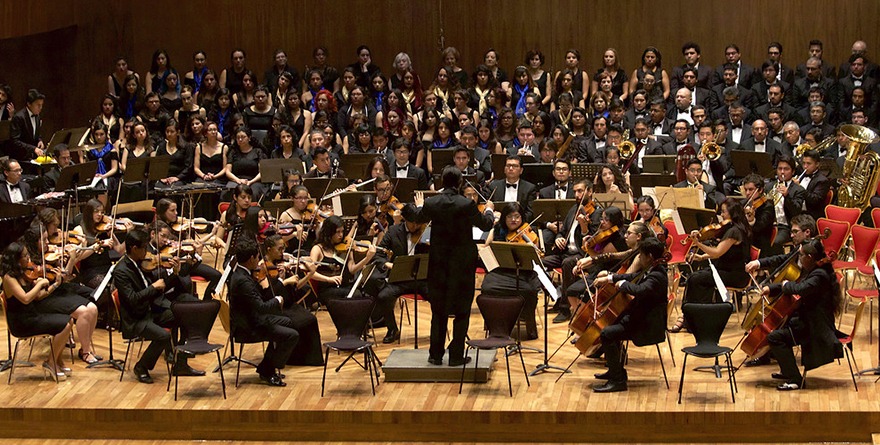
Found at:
(693, 172)
(800, 90)
(816, 185)
(401, 239)
(145, 309)
(562, 187)
(24, 130)
(728, 79)
(452, 263)
(745, 75)
(592, 149)
(660, 127)
(61, 153)
(812, 325)
(775, 99)
(816, 50)
(761, 143)
(791, 198)
(700, 95)
(774, 54)
(770, 74)
(403, 169)
(481, 158)
(857, 78)
(759, 214)
(644, 321)
(817, 120)
(324, 168)
(461, 158)
(13, 190)
(253, 317)
(716, 169)
(739, 129)
(691, 53)
(512, 188)
(681, 131)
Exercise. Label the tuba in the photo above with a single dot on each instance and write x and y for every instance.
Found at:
(626, 148)
(711, 151)
(861, 168)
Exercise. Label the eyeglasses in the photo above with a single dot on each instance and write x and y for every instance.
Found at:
(561, 169)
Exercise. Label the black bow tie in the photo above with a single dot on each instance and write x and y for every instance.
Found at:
(759, 143)
(643, 141)
(403, 168)
(736, 126)
(14, 186)
(858, 78)
(511, 186)
(562, 187)
(600, 140)
(323, 175)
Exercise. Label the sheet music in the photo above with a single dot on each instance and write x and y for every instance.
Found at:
(337, 205)
(225, 276)
(722, 288)
(357, 282)
(548, 285)
(676, 219)
(488, 257)
(100, 290)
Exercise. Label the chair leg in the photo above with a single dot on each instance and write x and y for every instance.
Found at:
(669, 344)
(125, 360)
(222, 380)
(662, 366)
(681, 383)
(507, 364)
(324, 376)
(238, 362)
(12, 366)
(368, 361)
(730, 374)
(523, 361)
(848, 362)
(463, 365)
(176, 378)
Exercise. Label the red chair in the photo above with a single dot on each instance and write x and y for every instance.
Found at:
(847, 343)
(875, 216)
(840, 231)
(865, 241)
(828, 198)
(839, 213)
(679, 243)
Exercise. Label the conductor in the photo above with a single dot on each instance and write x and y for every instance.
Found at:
(452, 261)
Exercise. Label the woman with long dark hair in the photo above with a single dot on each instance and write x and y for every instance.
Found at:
(336, 282)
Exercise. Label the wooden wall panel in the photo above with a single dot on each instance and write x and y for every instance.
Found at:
(105, 29)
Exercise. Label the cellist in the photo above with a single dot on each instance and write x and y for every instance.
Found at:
(812, 325)
(644, 321)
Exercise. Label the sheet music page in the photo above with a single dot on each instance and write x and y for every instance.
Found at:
(488, 257)
(548, 285)
(337, 205)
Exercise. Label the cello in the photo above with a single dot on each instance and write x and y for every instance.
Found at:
(585, 313)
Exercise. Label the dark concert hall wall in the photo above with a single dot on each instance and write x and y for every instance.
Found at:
(136, 29)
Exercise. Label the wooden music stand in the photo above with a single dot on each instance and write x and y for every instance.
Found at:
(272, 170)
(552, 210)
(672, 198)
(443, 157)
(696, 218)
(404, 188)
(349, 202)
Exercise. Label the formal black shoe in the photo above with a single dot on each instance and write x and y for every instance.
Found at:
(562, 316)
(459, 362)
(186, 370)
(779, 376)
(435, 361)
(760, 361)
(611, 386)
(142, 374)
(607, 375)
(273, 380)
(391, 336)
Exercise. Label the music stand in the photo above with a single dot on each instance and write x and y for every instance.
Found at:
(76, 175)
(410, 268)
(552, 210)
(147, 169)
(500, 205)
(695, 219)
(317, 187)
(649, 180)
(138, 210)
(519, 257)
(662, 164)
(538, 174)
(404, 188)
(272, 170)
(277, 206)
(619, 200)
(441, 158)
(350, 202)
(745, 162)
(353, 164)
(584, 171)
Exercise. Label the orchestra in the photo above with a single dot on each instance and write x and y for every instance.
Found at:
(288, 247)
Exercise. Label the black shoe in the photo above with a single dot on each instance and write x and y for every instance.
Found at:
(760, 361)
(460, 362)
(169, 357)
(142, 374)
(607, 376)
(562, 316)
(553, 310)
(186, 370)
(779, 376)
(435, 361)
(611, 386)
(273, 380)
(596, 355)
(391, 336)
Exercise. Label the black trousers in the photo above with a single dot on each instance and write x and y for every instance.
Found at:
(208, 273)
(781, 343)
(612, 337)
(282, 339)
(441, 309)
(388, 295)
(160, 340)
(566, 263)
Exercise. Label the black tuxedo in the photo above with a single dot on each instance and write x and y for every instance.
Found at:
(549, 192)
(452, 264)
(747, 75)
(525, 194)
(671, 147)
(847, 85)
(792, 204)
(414, 173)
(723, 113)
(21, 132)
(713, 196)
(251, 317)
(630, 116)
(827, 129)
(586, 151)
(746, 132)
(800, 92)
(746, 95)
(665, 130)
(4, 191)
(705, 97)
(788, 112)
(784, 73)
(704, 77)
(871, 69)
(815, 194)
(314, 174)
(762, 229)
(827, 70)
(775, 149)
(759, 89)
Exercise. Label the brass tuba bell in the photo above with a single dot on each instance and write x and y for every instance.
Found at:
(861, 168)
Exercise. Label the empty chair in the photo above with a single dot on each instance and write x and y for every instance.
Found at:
(707, 322)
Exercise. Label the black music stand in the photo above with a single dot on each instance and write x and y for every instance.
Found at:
(404, 188)
(75, 176)
(277, 206)
(538, 174)
(354, 164)
(410, 268)
(318, 187)
(585, 171)
(745, 162)
(351, 201)
(695, 219)
(552, 210)
(147, 169)
(518, 257)
(272, 171)
(441, 158)
(649, 180)
(661, 164)
(500, 159)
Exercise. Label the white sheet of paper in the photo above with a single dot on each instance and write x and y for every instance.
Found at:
(219, 289)
(676, 218)
(545, 281)
(722, 288)
(100, 290)
(354, 288)
(337, 205)
(876, 270)
(476, 233)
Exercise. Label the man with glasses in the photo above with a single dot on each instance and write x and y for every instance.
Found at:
(693, 173)
(512, 188)
(13, 190)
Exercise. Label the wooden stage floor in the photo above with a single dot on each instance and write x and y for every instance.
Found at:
(92, 406)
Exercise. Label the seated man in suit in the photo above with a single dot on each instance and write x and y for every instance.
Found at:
(718, 169)
(693, 172)
(24, 130)
(401, 239)
(253, 317)
(461, 158)
(644, 144)
(659, 126)
(815, 184)
(760, 214)
(61, 153)
(789, 197)
(144, 308)
(817, 120)
(482, 158)
(775, 99)
(682, 137)
(403, 169)
(759, 142)
(562, 188)
(592, 150)
(13, 190)
(323, 167)
(512, 188)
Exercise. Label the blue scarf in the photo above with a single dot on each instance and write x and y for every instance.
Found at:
(221, 121)
(129, 109)
(197, 78)
(483, 144)
(440, 144)
(521, 103)
(379, 96)
(311, 103)
(99, 156)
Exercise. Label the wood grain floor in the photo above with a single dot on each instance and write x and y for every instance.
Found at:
(92, 405)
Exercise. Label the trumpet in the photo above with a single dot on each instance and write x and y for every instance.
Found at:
(626, 148)
(773, 194)
(820, 147)
(711, 151)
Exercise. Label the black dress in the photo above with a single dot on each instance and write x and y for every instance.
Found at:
(247, 166)
(211, 164)
(105, 157)
(256, 120)
(28, 319)
(181, 166)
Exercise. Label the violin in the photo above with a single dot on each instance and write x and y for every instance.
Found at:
(712, 231)
(389, 207)
(107, 224)
(200, 225)
(359, 246)
(599, 238)
(152, 262)
(312, 212)
(657, 227)
(72, 238)
(525, 235)
(184, 249)
(33, 272)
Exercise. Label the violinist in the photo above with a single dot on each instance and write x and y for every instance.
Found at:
(814, 183)
(144, 309)
(282, 278)
(165, 262)
(94, 263)
(582, 219)
(166, 212)
(24, 314)
(760, 215)
(733, 238)
(300, 214)
(649, 215)
(234, 215)
(401, 239)
(693, 173)
(69, 298)
(644, 321)
(403, 169)
(389, 205)
(812, 325)
(336, 282)
(502, 281)
(369, 227)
